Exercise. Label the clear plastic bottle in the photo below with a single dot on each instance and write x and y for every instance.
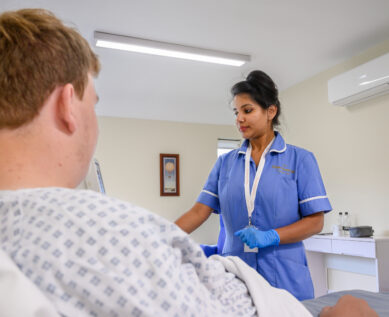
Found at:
(340, 223)
(346, 224)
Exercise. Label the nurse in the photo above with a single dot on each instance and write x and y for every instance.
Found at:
(270, 194)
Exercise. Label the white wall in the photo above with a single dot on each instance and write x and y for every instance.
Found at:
(128, 151)
(351, 144)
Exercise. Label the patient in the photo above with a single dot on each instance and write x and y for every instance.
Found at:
(89, 254)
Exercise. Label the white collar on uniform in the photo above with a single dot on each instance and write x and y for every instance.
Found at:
(278, 146)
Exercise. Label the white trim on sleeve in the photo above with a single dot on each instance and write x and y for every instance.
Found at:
(208, 192)
(312, 198)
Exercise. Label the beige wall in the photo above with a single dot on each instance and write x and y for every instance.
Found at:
(128, 151)
(351, 144)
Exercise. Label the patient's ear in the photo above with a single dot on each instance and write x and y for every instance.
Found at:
(66, 109)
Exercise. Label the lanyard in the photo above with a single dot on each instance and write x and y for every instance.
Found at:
(250, 198)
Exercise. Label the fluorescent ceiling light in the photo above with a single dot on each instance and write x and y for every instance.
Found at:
(133, 44)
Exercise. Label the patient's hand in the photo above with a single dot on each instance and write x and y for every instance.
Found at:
(349, 306)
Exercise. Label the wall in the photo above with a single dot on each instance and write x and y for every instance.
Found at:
(128, 151)
(350, 144)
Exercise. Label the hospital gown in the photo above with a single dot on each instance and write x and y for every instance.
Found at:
(93, 255)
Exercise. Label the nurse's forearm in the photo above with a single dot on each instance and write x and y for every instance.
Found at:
(301, 229)
(193, 218)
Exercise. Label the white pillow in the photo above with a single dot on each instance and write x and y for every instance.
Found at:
(18, 295)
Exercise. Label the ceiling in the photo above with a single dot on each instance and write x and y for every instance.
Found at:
(291, 40)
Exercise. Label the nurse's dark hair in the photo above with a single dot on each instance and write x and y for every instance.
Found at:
(262, 90)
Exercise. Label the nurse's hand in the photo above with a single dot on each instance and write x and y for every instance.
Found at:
(256, 238)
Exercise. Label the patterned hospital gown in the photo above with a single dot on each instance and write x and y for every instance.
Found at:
(93, 255)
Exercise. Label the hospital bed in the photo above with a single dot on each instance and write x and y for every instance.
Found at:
(378, 301)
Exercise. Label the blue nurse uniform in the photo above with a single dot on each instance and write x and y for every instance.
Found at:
(290, 188)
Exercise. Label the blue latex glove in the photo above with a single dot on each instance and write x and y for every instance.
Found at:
(209, 249)
(256, 238)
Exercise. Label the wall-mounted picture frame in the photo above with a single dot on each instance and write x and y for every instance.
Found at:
(169, 174)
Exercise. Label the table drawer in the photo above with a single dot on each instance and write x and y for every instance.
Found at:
(318, 245)
(355, 248)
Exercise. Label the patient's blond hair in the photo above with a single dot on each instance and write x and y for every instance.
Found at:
(38, 53)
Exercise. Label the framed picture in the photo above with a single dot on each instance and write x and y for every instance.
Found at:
(170, 174)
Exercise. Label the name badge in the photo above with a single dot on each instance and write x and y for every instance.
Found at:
(248, 249)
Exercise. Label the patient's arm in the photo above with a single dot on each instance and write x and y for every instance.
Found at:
(349, 306)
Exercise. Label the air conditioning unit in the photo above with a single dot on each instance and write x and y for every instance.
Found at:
(364, 82)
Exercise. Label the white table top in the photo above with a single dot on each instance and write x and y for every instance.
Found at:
(330, 236)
